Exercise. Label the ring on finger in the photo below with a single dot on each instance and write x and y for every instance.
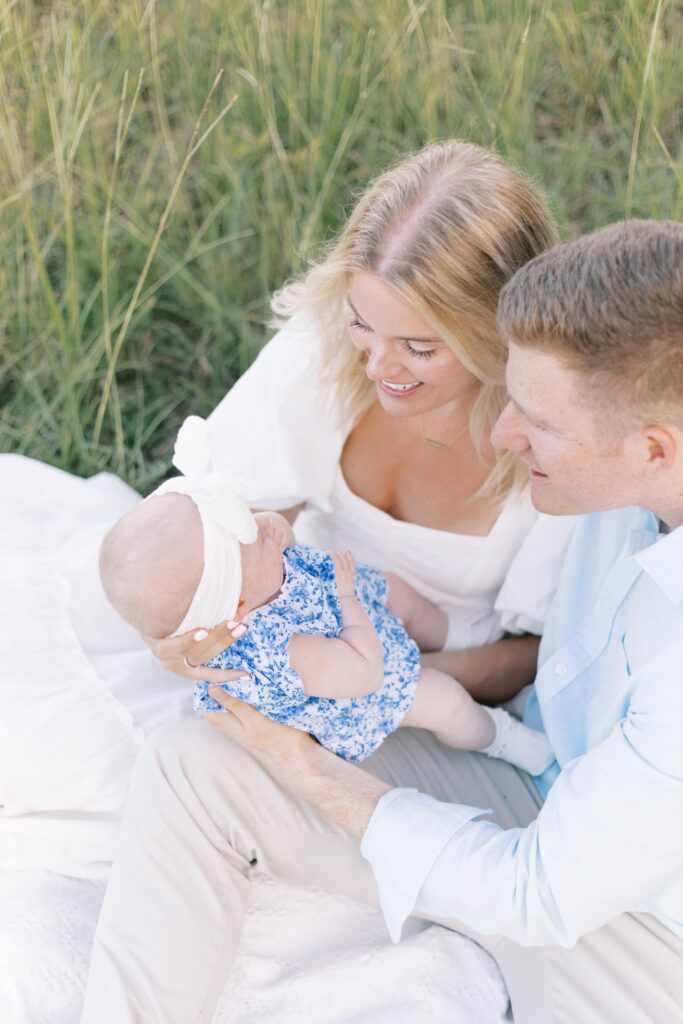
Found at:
(189, 664)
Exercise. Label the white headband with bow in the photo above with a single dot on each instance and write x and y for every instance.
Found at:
(226, 520)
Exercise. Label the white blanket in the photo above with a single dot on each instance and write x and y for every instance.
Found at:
(305, 956)
(78, 693)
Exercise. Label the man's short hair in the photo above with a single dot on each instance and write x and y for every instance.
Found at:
(609, 304)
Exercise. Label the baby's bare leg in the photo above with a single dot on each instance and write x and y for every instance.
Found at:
(426, 623)
(445, 707)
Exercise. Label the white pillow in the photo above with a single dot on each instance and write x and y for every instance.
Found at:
(78, 689)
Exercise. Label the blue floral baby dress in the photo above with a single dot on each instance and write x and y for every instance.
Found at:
(308, 602)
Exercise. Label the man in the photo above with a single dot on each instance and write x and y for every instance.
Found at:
(576, 886)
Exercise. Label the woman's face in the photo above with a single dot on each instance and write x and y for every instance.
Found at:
(413, 370)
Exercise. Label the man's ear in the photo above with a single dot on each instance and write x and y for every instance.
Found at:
(662, 447)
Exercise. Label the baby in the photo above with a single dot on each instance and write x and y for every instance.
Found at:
(331, 648)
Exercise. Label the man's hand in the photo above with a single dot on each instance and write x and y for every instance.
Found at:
(275, 745)
(344, 572)
(343, 793)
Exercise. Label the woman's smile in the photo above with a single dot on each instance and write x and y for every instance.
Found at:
(398, 390)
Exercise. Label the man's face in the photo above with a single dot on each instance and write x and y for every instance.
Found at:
(573, 466)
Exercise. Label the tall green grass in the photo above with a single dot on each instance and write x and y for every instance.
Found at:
(163, 167)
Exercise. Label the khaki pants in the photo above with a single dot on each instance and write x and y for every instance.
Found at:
(201, 812)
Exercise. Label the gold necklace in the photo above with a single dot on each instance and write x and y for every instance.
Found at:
(439, 444)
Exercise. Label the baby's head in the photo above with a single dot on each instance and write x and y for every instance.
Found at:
(152, 563)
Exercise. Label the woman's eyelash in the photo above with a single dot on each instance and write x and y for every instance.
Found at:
(422, 353)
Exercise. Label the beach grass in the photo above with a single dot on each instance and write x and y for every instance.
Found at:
(164, 167)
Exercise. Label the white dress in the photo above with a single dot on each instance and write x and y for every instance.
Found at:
(276, 430)
(79, 691)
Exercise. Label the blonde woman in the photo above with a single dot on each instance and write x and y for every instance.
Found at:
(366, 419)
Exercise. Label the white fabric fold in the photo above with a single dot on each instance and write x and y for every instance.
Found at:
(226, 521)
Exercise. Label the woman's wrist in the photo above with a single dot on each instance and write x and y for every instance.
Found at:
(492, 673)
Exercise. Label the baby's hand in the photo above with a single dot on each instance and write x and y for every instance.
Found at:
(344, 572)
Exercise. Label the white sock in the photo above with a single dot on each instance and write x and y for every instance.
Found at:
(517, 743)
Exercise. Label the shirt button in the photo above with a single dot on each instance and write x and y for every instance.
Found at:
(561, 669)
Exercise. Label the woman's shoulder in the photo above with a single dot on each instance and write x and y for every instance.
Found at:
(290, 354)
(278, 426)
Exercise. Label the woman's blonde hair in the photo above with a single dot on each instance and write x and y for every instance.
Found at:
(446, 228)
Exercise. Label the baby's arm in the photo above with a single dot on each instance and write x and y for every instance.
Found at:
(424, 621)
(350, 665)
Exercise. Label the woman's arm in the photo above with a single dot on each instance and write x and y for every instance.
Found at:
(290, 514)
(493, 673)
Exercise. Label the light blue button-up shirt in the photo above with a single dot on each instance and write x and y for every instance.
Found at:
(609, 694)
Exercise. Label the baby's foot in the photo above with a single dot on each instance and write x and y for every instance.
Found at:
(517, 743)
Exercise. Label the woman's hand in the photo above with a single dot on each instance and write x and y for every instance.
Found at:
(277, 746)
(184, 655)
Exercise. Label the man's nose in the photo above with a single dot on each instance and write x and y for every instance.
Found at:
(508, 431)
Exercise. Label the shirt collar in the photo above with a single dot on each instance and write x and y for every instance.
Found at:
(662, 560)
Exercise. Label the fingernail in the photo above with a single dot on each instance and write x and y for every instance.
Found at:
(231, 623)
(201, 634)
(239, 630)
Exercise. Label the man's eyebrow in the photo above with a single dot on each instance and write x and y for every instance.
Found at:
(412, 337)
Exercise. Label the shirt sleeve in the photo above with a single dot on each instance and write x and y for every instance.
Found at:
(278, 428)
(608, 838)
(524, 599)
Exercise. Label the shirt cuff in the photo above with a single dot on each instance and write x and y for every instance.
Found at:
(405, 836)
